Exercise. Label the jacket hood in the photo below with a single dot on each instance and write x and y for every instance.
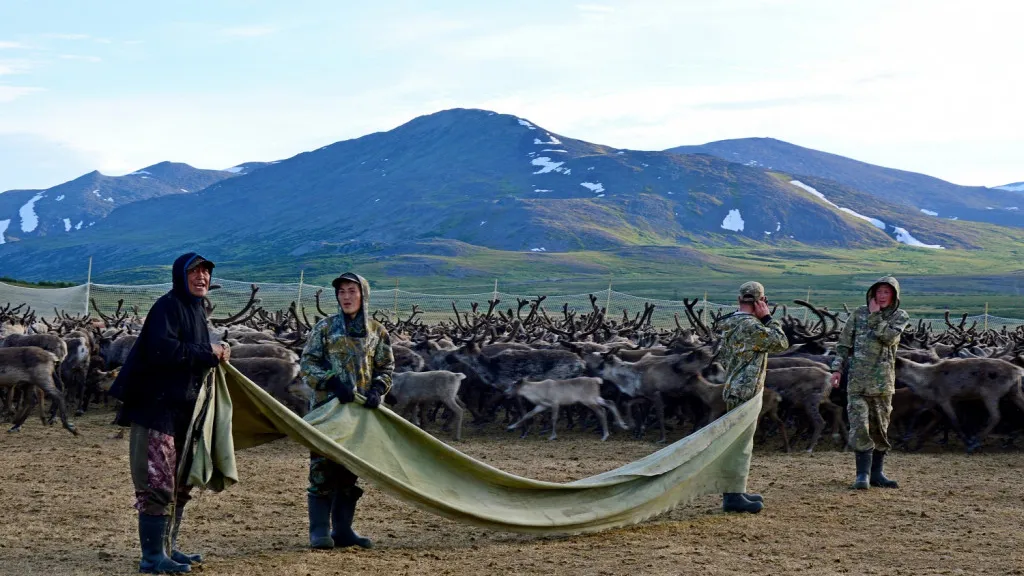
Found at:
(364, 288)
(891, 281)
(179, 276)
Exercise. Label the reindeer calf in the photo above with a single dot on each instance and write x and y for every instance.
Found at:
(550, 394)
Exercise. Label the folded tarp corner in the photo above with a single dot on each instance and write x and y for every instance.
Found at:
(413, 466)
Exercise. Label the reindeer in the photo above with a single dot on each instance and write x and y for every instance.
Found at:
(280, 378)
(985, 379)
(550, 394)
(416, 389)
(27, 368)
(808, 388)
(654, 376)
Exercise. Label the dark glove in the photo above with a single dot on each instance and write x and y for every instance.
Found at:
(342, 391)
(372, 398)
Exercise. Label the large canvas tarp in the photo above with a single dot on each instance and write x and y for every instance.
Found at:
(413, 466)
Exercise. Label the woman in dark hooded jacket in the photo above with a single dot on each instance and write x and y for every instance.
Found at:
(158, 386)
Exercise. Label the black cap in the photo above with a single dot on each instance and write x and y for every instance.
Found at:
(346, 277)
(197, 262)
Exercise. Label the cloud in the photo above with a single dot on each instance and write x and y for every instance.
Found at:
(8, 67)
(601, 9)
(11, 93)
(77, 37)
(80, 57)
(11, 45)
(248, 31)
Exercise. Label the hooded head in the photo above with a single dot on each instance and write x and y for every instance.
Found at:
(892, 283)
(364, 288)
(179, 271)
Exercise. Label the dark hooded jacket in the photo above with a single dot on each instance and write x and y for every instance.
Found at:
(357, 351)
(160, 379)
(867, 345)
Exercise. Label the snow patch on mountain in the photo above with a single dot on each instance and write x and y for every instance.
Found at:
(733, 221)
(29, 220)
(874, 221)
(904, 237)
(546, 165)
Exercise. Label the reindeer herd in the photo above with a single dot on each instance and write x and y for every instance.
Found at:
(521, 364)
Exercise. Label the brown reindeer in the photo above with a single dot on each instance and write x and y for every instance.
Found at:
(943, 383)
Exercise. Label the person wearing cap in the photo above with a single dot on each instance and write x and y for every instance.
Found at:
(748, 336)
(346, 353)
(158, 387)
(866, 351)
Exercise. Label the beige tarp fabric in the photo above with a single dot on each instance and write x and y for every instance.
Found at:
(409, 464)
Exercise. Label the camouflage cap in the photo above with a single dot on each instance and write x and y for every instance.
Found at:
(751, 291)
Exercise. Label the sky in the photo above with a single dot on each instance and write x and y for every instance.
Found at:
(929, 86)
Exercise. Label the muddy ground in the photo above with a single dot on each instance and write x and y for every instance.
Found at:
(66, 508)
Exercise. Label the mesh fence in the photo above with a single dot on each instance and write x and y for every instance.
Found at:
(232, 296)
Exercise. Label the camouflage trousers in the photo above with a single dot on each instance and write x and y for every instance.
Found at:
(869, 422)
(154, 458)
(327, 477)
(733, 401)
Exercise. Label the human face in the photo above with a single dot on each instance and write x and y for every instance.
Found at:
(199, 281)
(350, 296)
(884, 295)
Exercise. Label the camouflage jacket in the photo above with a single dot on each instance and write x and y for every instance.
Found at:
(360, 356)
(744, 354)
(867, 346)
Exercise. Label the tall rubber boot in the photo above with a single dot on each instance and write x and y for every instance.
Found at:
(878, 478)
(177, 555)
(863, 470)
(319, 522)
(753, 497)
(735, 502)
(342, 513)
(151, 539)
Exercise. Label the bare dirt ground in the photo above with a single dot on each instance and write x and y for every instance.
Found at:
(66, 508)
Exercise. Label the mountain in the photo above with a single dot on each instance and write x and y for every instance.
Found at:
(477, 182)
(924, 193)
(1015, 187)
(247, 167)
(80, 203)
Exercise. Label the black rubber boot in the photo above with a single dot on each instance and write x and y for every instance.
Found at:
(342, 513)
(177, 555)
(320, 522)
(878, 478)
(863, 470)
(753, 497)
(152, 530)
(735, 502)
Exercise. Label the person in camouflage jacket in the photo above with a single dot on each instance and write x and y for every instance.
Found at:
(748, 336)
(346, 353)
(866, 351)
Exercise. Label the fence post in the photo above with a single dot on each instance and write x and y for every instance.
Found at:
(986, 316)
(88, 286)
(395, 309)
(704, 311)
(298, 303)
(495, 295)
(608, 300)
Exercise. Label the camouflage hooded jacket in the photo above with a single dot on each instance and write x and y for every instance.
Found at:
(358, 352)
(867, 346)
(745, 347)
